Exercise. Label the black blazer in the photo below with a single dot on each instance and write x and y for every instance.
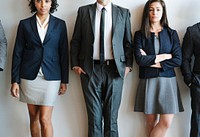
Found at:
(169, 43)
(30, 53)
(190, 48)
(83, 38)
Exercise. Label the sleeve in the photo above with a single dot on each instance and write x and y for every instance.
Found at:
(3, 48)
(176, 54)
(17, 54)
(75, 43)
(127, 42)
(64, 54)
(187, 53)
(139, 43)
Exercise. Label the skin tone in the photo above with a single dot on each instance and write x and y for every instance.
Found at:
(40, 116)
(103, 2)
(78, 70)
(157, 127)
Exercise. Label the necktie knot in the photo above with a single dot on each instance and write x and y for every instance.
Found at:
(103, 9)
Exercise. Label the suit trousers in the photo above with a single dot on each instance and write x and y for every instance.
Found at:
(195, 105)
(102, 93)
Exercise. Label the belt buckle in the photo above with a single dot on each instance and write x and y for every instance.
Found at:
(107, 62)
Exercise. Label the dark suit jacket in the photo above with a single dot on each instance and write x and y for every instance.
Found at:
(190, 47)
(169, 43)
(83, 38)
(30, 53)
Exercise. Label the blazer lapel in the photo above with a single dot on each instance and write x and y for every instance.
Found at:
(50, 28)
(115, 14)
(92, 13)
(34, 26)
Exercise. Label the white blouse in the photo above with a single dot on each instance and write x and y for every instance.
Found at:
(42, 28)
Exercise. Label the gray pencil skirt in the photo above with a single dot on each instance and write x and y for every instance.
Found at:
(39, 91)
(159, 95)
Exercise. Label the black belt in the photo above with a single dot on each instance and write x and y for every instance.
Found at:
(106, 62)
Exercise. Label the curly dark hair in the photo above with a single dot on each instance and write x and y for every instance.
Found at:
(53, 8)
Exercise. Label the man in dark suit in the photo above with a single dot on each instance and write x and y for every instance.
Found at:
(190, 49)
(102, 79)
(3, 48)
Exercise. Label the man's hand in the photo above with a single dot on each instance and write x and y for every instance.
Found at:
(127, 71)
(78, 70)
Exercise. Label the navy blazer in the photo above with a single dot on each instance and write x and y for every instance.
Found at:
(169, 44)
(30, 53)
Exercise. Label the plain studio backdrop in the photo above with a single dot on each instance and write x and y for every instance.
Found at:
(69, 116)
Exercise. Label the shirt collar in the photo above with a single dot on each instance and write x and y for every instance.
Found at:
(107, 7)
(45, 22)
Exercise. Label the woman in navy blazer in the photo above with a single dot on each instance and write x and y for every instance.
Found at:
(40, 64)
(157, 52)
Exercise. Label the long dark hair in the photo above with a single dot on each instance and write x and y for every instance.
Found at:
(145, 27)
(53, 8)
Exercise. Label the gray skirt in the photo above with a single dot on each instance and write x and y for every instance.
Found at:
(159, 95)
(39, 91)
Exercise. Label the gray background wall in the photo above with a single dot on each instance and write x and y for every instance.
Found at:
(69, 116)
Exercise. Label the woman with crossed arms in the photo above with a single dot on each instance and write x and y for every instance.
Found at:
(157, 51)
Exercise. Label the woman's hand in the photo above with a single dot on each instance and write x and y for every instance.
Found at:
(157, 65)
(162, 57)
(63, 89)
(15, 90)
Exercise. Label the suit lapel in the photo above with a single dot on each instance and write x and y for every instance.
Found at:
(115, 13)
(115, 16)
(92, 13)
(34, 27)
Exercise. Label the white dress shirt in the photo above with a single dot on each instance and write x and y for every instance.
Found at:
(108, 52)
